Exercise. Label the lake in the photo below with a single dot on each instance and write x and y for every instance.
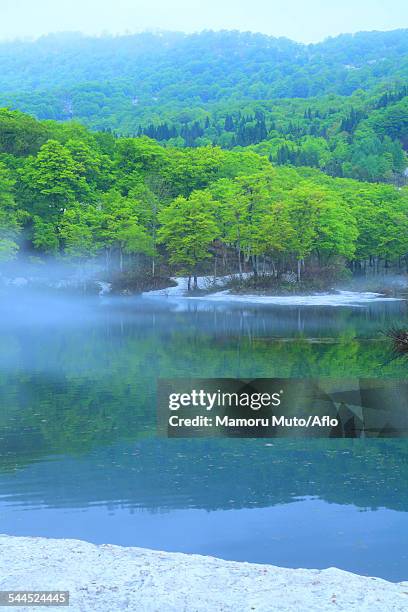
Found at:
(80, 458)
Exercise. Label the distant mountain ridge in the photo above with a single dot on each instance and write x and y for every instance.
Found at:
(205, 67)
(340, 105)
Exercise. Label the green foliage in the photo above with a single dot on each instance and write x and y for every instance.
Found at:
(113, 82)
(340, 105)
(78, 231)
(45, 236)
(53, 179)
(10, 220)
(138, 204)
(8, 249)
(188, 227)
(20, 134)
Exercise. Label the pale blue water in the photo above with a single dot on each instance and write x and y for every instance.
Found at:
(79, 456)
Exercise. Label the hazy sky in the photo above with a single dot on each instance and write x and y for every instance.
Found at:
(302, 20)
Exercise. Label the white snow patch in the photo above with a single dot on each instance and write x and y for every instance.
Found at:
(105, 287)
(181, 288)
(339, 298)
(102, 578)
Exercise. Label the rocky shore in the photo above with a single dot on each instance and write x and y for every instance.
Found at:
(112, 578)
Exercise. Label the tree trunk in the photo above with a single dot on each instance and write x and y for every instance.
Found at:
(254, 261)
(106, 260)
(195, 281)
(189, 283)
(273, 268)
(299, 264)
(239, 262)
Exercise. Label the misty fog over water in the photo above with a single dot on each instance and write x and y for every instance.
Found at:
(79, 454)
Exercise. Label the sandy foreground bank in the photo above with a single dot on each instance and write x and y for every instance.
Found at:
(109, 578)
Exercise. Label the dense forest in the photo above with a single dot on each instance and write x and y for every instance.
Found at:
(214, 152)
(340, 105)
(67, 192)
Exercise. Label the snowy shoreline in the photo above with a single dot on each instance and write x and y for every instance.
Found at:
(338, 298)
(114, 578)
(210, 291)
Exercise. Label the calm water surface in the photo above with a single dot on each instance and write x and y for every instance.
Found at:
(79, 456)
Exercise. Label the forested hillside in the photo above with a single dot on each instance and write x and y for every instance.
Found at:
(214, 152)
(66, 192)
(340, 105)
(166, 68)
